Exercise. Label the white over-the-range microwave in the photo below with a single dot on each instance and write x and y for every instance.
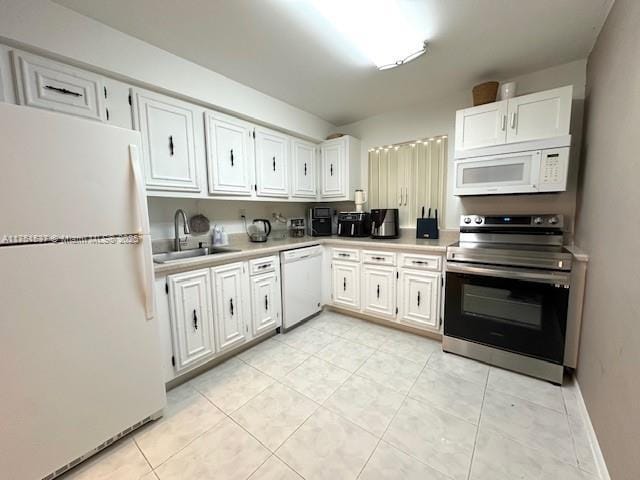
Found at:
(536, 171)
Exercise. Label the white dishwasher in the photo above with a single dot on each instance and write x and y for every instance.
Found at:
(301, 284)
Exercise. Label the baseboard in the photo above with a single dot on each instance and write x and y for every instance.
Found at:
(593, 439)
(383, 322)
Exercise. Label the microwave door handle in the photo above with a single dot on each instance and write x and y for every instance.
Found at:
(339, 228)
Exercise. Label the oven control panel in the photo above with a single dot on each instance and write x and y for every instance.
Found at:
(506, 221)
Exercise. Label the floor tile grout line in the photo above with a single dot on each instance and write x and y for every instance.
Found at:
(381, 438)
(475, 440)
(142, 453)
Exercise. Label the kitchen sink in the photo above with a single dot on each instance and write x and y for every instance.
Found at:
(193, 253)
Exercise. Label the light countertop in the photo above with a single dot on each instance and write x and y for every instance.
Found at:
(247, 250)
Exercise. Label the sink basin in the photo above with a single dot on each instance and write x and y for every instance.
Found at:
(194, 253)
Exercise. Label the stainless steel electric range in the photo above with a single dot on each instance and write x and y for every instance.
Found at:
(507, 293)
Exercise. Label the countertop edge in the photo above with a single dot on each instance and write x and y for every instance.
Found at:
(272, 248)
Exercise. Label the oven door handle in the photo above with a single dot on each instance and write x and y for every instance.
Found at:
(516, 274)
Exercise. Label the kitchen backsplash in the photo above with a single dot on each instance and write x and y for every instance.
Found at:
(225, 213)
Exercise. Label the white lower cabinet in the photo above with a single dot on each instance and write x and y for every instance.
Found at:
(192, 317)
(379, 290)
(230, 305)
(346, 284)
(419, 299)
(265, 302)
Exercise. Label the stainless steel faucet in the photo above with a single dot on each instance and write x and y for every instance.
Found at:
(176, 224)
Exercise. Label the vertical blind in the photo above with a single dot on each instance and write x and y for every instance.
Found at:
(408, 176)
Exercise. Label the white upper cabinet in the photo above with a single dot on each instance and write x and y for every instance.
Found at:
(529, 118)
(191, 317)
(332, 158)
(482, 126)
(339, 168)
(168, 140)
(230, 305)
(540, 115)
(229, 154)
(43, 83)
(272, 159)
(265, 302)
(303, 166)
(419, 299)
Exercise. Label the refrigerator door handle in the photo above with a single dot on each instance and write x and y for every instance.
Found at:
(143, 232)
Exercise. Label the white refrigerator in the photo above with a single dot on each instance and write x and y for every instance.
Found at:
(79, 349)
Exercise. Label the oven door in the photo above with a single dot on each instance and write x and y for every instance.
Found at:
(519, 310)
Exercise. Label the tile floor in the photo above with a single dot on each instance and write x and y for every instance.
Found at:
(341, 398)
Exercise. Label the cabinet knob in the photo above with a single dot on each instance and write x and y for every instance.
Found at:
(231, 306)
(232, 157)
(266, 303)
(171, 146)
(274, 164)
(195, 320)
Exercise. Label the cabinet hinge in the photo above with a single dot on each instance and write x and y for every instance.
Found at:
(130, 102)
(105, 92)
(166, 288)
(173, 360)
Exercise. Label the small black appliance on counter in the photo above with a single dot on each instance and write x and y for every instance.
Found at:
(320, 222)
(385, 223)
(427, 227)
(354, 224)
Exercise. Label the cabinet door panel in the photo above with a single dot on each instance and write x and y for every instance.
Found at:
(167, 127)
(419, 299)
(481, 126)
(230, 305)
(346, 284)
(304, 171)
(191, 317)
(43, 83)
(379, 290)
(272, 150)
(540, 115)
(229, 155)
(265, 302)
(333, 160)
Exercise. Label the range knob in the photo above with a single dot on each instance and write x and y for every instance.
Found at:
(553, 220)
(478, 220)
(538, 221)
(467, 220)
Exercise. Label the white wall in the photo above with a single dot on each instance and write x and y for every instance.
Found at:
(49, 28)
(438, 118)
(608, 229)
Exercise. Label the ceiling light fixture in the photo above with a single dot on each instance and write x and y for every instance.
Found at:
(377, 28)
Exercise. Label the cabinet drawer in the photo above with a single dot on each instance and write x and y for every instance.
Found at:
(378, 258)
(423, 262)
(346, 254)
(263, 265)
(43, 83)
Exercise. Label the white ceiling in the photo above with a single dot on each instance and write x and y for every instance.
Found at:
(285, 49)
